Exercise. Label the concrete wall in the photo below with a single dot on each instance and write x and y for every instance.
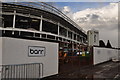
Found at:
(104, 54)
(15, 51)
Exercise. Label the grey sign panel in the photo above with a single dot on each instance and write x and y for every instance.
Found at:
(36, 51)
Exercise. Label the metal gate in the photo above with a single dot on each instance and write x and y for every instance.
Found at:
(22, 71)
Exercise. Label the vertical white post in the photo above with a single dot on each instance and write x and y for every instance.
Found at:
(76, 37)
(73, 36)
(14, 17)
(41, 25)
(1, 52)
(58, 28)
(73, 46)
(82, 39)
(67, 33)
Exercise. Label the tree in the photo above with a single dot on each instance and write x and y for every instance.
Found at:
(101, 43)
(108, 44)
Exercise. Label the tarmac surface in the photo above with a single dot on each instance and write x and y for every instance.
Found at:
(105, 71)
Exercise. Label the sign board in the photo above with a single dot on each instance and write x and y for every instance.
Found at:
(36, 51)
(83, 53)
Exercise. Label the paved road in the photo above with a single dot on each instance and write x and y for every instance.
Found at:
(104, 71)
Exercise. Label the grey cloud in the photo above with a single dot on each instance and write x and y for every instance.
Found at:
(92, 16)
(102, 19)
(82, 20)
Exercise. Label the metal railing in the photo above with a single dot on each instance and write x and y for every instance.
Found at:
(22, 71)
(35, 32)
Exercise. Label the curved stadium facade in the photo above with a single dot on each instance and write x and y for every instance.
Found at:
(40, 21)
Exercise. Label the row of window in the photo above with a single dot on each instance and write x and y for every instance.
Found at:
(34, 24)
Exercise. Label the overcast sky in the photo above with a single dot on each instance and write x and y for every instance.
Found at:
(102, 16)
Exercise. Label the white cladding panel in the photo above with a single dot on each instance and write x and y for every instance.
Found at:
(1, 45)
(93, 37)
(0, 56)
(101, 55)
(16, 51)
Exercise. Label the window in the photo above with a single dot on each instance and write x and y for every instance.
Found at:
(7, 20)
(27, 23)
(78, 39)
(69, 34)
(63, 32)
(35, 24)
(75, 36)
(22, 22)
(49, 27)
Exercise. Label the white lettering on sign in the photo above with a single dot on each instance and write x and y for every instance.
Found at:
(34, 51)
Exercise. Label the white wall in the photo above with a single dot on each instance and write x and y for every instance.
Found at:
(104, 54)
(0, 51)
(0, 55)
(15, 51)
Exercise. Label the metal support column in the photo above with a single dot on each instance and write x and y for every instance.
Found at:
(58, 28)
(14, 17)
(41, 25)
(67, 33)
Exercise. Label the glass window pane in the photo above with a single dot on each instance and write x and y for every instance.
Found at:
(63, 31)
(7, 20)
(49, 27)
(27, 23)
(22, 22)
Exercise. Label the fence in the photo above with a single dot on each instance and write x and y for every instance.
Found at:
(22, 71)
(104, 54)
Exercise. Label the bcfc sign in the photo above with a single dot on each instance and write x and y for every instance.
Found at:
(36, 51)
